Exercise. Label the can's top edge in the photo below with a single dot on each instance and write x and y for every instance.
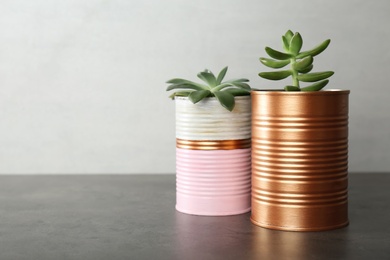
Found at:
(300, 93)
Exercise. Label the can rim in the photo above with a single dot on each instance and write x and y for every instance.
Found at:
(282, 92)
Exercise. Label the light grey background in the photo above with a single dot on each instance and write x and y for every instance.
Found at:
(82, 81)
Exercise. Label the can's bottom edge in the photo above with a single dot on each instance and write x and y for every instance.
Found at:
(299, 229)
(213, 214)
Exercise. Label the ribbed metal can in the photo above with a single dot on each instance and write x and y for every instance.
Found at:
(215, 182)
(300, 160)
(208, 120)
(213, 157)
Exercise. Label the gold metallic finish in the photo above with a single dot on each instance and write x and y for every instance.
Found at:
(300, 160)
(213, 144)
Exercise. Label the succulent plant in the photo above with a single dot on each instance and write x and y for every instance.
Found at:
(301, 64)
(214, 87)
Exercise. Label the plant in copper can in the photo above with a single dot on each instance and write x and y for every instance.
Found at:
(301, 64)
(223, 91)
(299, 144)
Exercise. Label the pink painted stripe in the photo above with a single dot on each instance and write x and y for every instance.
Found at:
(213, 182)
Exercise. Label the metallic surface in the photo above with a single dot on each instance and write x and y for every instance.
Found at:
(213, 144)
(300, 160)
(216, 182)
(208, 120)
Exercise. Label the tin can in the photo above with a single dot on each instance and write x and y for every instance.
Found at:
(300, 160)
(213, 157)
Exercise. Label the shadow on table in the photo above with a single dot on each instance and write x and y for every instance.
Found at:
(235, 237)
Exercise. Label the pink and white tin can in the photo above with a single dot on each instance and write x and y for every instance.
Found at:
(213, 157)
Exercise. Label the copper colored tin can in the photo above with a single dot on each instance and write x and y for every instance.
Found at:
(300, 160)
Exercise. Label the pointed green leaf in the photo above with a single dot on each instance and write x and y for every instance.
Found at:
(180, 94)
(306, 70)
(276, 75)
(303, 63)
(289, 34)
(291, 88)
(286, 44)
(233, 84)
(236, 80)
(208, 77)
(197, 96)
(238, 92)
(221, 75)
(296, 43)
(316, 76)
(316, 86)
(222, 86)
(315, 51)
(226, 99)
(183, 86)
(275, 64)
(277, 54)
(177, 82)
(241, 85)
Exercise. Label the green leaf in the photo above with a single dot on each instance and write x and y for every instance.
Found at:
(221, 75)
(238, 92)
(226, 99)
(197, 96)
(289, 34)
(183, 86)
(241, 85)
(275, 64)
(231, 84)
(306, 70)
(316, 86)
(237, 80)
(286, 44)
(277, 54)
(178, 82)
(291, 88)
(180, 94)
(276, 75)
(222, 86)
(208, 77)
(316, 76)
(315, 51)
(303, 63)
(296, 44)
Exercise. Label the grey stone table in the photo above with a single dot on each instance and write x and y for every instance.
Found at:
(133, 217)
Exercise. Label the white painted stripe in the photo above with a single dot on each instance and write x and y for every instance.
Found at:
(208, 120)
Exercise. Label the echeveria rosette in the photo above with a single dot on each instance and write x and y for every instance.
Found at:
(214, 87)
(301, 64)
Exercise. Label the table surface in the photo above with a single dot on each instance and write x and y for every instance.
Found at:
(133, 217)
